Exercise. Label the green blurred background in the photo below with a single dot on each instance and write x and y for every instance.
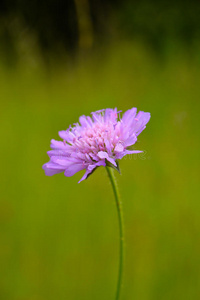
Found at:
(59, 60)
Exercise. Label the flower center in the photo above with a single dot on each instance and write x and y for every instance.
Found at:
(95, 139)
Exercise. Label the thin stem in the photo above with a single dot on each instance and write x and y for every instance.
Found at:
(120, 218)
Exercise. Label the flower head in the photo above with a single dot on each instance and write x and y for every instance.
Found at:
(95, 141)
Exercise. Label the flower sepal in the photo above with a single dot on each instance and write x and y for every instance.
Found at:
(108, 164)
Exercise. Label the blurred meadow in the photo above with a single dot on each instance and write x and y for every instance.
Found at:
(59, 239)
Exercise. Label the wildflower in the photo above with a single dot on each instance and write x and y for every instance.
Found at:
(95, 141)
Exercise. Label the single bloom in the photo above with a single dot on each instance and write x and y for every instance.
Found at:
(96, 141)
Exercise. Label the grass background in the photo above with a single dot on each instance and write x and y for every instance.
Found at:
(59, 239)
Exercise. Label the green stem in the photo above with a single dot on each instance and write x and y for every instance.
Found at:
(120, 218)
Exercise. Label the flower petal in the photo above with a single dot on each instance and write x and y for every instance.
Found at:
(84, 122)
(58, 145)
(91, 168)
(67, 135)
(138, 124)
(74, 168)
(103, 154)
(97, 117)
(132, 151)
(130, 141)
(119, 147)
(65, 161)
(108, 145)
(100, 140)
(51, 169)
(58, 153)
(126, 152)
(129, 115)
(110, 115)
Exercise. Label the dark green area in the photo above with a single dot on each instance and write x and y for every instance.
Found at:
(74, 26)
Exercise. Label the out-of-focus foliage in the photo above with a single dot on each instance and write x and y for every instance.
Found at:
(157, 21)
(59, 239)
(62, 59)
(74, 25)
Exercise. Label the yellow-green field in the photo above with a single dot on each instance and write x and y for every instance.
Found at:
(59, 239)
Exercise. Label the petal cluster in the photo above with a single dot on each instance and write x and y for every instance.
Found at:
(95, 141)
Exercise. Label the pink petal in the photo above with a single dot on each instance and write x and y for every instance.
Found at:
(71, 170)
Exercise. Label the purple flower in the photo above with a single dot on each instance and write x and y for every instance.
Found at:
(95, 141)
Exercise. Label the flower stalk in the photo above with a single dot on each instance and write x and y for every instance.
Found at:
(121, 229)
